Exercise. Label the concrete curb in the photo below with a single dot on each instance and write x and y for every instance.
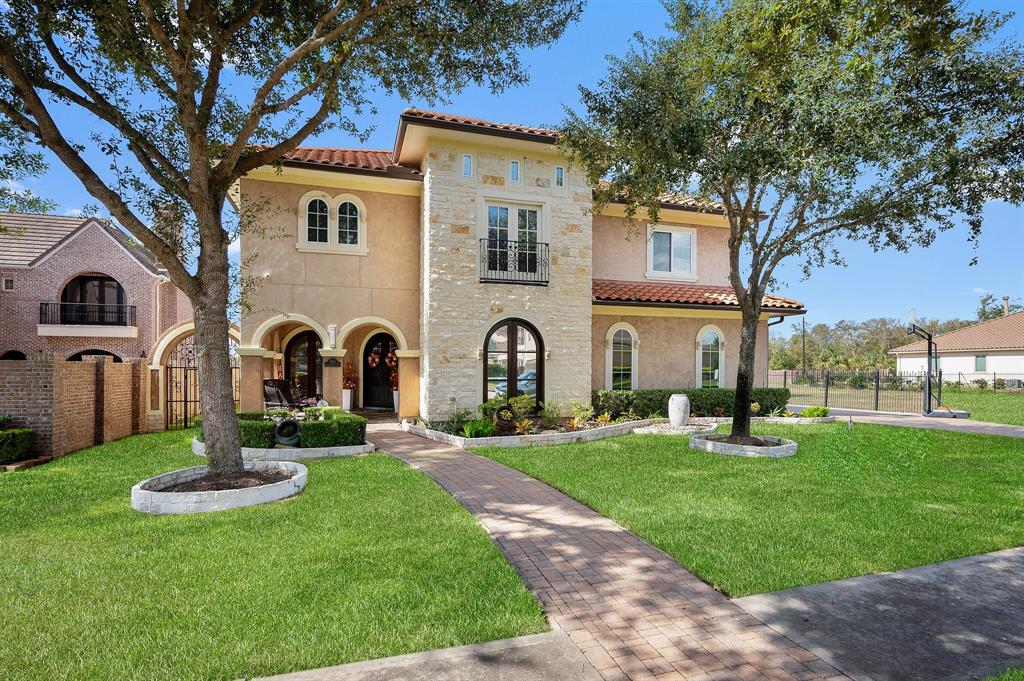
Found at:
(292, 453)
(781, 450)
(147, 500)
(569, 437)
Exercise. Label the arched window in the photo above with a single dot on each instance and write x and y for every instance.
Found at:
(77, 357)
(348, 224)
(93, 299)
(710, 372)
(621, 357)
(317, 217)
(13, 354)
(303, 366)
(513, 348)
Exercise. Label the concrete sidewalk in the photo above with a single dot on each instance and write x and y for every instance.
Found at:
(961, 619)
(929, 422)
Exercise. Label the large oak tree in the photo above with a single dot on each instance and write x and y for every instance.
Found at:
(186, 96)
(883, 121)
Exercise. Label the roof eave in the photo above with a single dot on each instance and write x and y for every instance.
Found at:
(395, 172)
(783, 311)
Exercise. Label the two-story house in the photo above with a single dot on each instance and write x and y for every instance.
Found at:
(469, 260)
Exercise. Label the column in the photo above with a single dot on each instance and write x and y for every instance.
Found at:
(334, 365)
(408, 383)
(250, 388)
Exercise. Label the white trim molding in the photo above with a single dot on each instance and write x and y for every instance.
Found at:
(721, 355)
(302, 243)
(609, 351)
(391, 328)
(294, 318)
(87, 330)
(691, 275)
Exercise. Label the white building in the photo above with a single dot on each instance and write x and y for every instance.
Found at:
(990, 349)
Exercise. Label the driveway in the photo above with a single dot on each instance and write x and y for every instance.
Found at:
(962, 619)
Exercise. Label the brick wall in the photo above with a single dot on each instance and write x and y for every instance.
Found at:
(73, 405)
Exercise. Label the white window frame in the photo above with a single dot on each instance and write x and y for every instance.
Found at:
(472, 165)
(515, 171)
(609, 352)
(8, 284)
(559, 179)
(302, 243)
(699, 382)
(673, 276)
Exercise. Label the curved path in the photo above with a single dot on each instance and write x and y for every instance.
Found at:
(631, 609)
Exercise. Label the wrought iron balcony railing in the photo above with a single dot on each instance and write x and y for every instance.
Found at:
(87, 313)
(521, 262)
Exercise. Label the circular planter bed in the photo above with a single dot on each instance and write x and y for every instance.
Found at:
(159, 495)
(291, 453)
(773, 447)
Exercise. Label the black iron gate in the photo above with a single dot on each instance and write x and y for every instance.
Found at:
(181, 378)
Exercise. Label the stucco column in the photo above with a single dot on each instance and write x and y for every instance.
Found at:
(408, 383)
(250, 388)
(334, 365)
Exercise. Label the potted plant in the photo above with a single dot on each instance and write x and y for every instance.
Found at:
(348, 385)
(394, 386)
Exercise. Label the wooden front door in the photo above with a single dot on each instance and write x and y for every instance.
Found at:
(377, 373)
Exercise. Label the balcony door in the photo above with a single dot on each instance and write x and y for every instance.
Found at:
(513, 233)
(93, 299)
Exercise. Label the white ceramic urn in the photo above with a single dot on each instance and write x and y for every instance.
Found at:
(678, 410)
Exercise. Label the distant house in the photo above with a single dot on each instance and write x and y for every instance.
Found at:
(994, 347)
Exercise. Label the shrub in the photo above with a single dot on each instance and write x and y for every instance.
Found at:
(478, 428)
(646, 403)
(254, 415)
(814, 412)
(258, 434)
(550, 412)
(604, 419)
(338, 429)
(15, 443)
(981, 383)
(581, 412)
(999, 384)
(858, 381)
(6, 421)
(524, 427)
(523, 404)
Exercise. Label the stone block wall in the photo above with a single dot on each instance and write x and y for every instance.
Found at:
(457, 310)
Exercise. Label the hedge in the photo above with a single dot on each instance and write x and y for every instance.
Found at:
(15, 443)
(6, 421)
(703, 401)
(322, 427)
(258, 434)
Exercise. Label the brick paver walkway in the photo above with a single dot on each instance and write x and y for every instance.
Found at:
(633, 611)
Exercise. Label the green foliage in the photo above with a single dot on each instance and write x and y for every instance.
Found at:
(279, 413)
(453, 425)
(703, 401)
(5, 421)
(991, 308)
(858, 381)
(814, 412)
(15, 444)
(478, 428)
(550, 413)
(257, 434)
(581, 412)
(338, 428)
(981, 383)
(256, 415)
(522, 405)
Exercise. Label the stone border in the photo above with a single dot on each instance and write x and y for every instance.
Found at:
(148, 500)
(292, 453)
(792, 420)
(569, 437)
(783, 448)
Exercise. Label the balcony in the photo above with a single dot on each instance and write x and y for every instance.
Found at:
(87, 319)
(514, 262)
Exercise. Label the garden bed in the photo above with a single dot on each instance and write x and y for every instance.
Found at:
(292, 453)
(559, 438)
(765, 445)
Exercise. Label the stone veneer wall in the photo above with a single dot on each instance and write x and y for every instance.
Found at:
(457, 310)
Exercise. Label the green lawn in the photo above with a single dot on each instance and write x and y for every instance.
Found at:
(1009, 675)
(985, 405)
(850, 503)
(372, 559)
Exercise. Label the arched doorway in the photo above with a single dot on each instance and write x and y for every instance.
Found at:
(14, 355)
(304, 367)
(379, 360)
(513, 348)
(181, 392)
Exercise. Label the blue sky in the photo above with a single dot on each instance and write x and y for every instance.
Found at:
(938, 282)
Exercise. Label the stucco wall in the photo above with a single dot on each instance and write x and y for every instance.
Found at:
(458, 310)
(620, 250)
(334, 288)
(667, 353)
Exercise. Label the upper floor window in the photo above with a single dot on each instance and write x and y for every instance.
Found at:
(670, 253)
(93, 289)
(467, 165)
(348, 224)
(513, 171)
(559, 176)
(317, 217)
(981, 363)
(8, 284)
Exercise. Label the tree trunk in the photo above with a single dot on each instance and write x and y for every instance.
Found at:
(216, 394)
(745, 374)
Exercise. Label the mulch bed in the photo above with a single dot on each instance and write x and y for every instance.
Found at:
(746, 440)
(212, 483)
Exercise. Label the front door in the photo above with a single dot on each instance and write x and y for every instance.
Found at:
(377, 358)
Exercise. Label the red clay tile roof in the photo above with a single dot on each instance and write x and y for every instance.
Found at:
(372, 160)
(451, 120)
(683, 295)
(1001, 333)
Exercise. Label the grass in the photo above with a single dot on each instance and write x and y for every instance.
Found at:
(372, 559)
(1009, 675)
(986, 405)
(851, 502)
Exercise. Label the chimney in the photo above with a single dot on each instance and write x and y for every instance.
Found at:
(1006, 305)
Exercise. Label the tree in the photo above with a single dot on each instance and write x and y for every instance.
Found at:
(882, 121)
(189, 96)
(990, 308)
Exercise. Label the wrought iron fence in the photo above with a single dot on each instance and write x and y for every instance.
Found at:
(87, 313)
(522, 262)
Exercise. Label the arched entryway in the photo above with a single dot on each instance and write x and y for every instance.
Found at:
(13, 355)
(380, 363)
(303, 366)
(513, 348)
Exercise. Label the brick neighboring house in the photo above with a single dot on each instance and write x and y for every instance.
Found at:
(469, 258)
(76, 286)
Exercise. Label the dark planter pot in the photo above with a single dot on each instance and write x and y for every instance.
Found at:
(287, 433)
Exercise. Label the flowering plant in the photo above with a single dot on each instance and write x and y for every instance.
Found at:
(349, 377)
(391, 360)
(394, 378)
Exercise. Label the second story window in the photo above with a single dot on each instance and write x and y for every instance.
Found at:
(513, 250)
(670, 253)
(513, 171)
(559, 176)
(348, 224)
(317, 217)
(467, 165)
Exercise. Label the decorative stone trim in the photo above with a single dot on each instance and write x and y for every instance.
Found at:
(793, 420)
(148, 500)
(292, 453)
(569, 437)
(782, 447)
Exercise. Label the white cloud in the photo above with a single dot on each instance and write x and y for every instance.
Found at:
(981, 291)
(234, 248)
(74, 212)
